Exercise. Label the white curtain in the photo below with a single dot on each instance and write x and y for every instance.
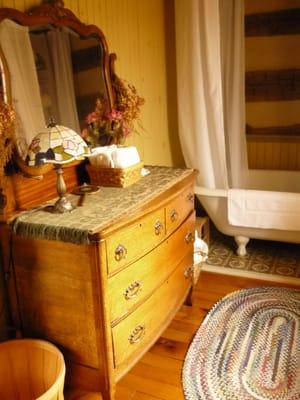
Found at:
(16, 47)
(210, 78)
(44, 67)
(60, 51)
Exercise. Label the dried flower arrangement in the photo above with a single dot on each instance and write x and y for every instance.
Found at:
(7, 120)
(107, 126)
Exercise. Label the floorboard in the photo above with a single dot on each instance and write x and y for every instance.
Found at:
(157, 376)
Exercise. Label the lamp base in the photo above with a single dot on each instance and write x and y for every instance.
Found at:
(62, 205)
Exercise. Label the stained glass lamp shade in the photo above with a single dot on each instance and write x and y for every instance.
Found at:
(57, 145)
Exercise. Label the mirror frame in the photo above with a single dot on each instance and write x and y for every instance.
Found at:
(53, 12)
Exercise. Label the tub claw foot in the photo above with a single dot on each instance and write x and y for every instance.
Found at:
(241, 242)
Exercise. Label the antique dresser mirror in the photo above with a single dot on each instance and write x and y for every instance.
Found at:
(52, 66)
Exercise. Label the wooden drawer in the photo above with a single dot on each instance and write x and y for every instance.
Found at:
(143, 326)
(133, 241)
(134, 283)
(179, 208)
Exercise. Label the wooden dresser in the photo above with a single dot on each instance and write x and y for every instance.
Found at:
(105, 302)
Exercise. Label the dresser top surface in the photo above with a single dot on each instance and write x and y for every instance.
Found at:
(100, 210)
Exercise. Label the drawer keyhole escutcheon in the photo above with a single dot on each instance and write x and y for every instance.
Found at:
(174, 215)
(189, 237)
(137, 334)
(190, 197)
(158, 227)
(120, 252)
(133, 290)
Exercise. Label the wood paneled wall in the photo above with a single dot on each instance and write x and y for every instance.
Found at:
(260, 6)
(280, 22)
(135, 31)
(274, 152)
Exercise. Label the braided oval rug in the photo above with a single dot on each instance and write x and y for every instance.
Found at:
(248, 347)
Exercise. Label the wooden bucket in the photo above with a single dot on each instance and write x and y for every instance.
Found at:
(31, 369)
(82, 395)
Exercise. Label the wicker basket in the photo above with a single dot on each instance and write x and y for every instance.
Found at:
(119, 177)
(31, 369)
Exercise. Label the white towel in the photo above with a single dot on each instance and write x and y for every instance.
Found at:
(124, 157)
(264, 209)
(102, 156)
(200, 256)
(200, 249)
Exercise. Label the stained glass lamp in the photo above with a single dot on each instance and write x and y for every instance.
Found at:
(57, 145)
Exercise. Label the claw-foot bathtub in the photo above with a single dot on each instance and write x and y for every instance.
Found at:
(214, 202)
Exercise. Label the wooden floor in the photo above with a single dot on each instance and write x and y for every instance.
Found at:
(158, 374)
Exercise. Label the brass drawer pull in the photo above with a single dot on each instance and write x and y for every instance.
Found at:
(188, 272)
(120, 252)
(158, 227)
(173, 215)
(189, 237)
(133, 290)
(190, 197)
(137, 334)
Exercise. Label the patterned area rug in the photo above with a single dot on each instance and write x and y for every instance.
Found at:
(265, 259)
(248, 347)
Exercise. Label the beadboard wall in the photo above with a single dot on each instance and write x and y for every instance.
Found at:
(135, 30)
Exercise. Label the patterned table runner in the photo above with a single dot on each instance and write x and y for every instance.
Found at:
(99, 211)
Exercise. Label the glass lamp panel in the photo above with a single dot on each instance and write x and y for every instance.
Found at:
(57, 144)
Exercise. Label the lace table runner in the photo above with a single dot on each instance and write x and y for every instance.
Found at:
(99, 211)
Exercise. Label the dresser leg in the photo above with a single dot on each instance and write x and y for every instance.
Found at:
(189, 298)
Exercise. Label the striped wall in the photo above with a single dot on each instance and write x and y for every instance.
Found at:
(273, 103)
(260, 6)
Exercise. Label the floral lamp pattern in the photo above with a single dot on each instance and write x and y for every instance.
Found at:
(57, 145)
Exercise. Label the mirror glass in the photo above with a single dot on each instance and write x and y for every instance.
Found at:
(70, 74)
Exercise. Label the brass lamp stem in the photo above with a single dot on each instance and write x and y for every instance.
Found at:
(60, 183)
(63, 204)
